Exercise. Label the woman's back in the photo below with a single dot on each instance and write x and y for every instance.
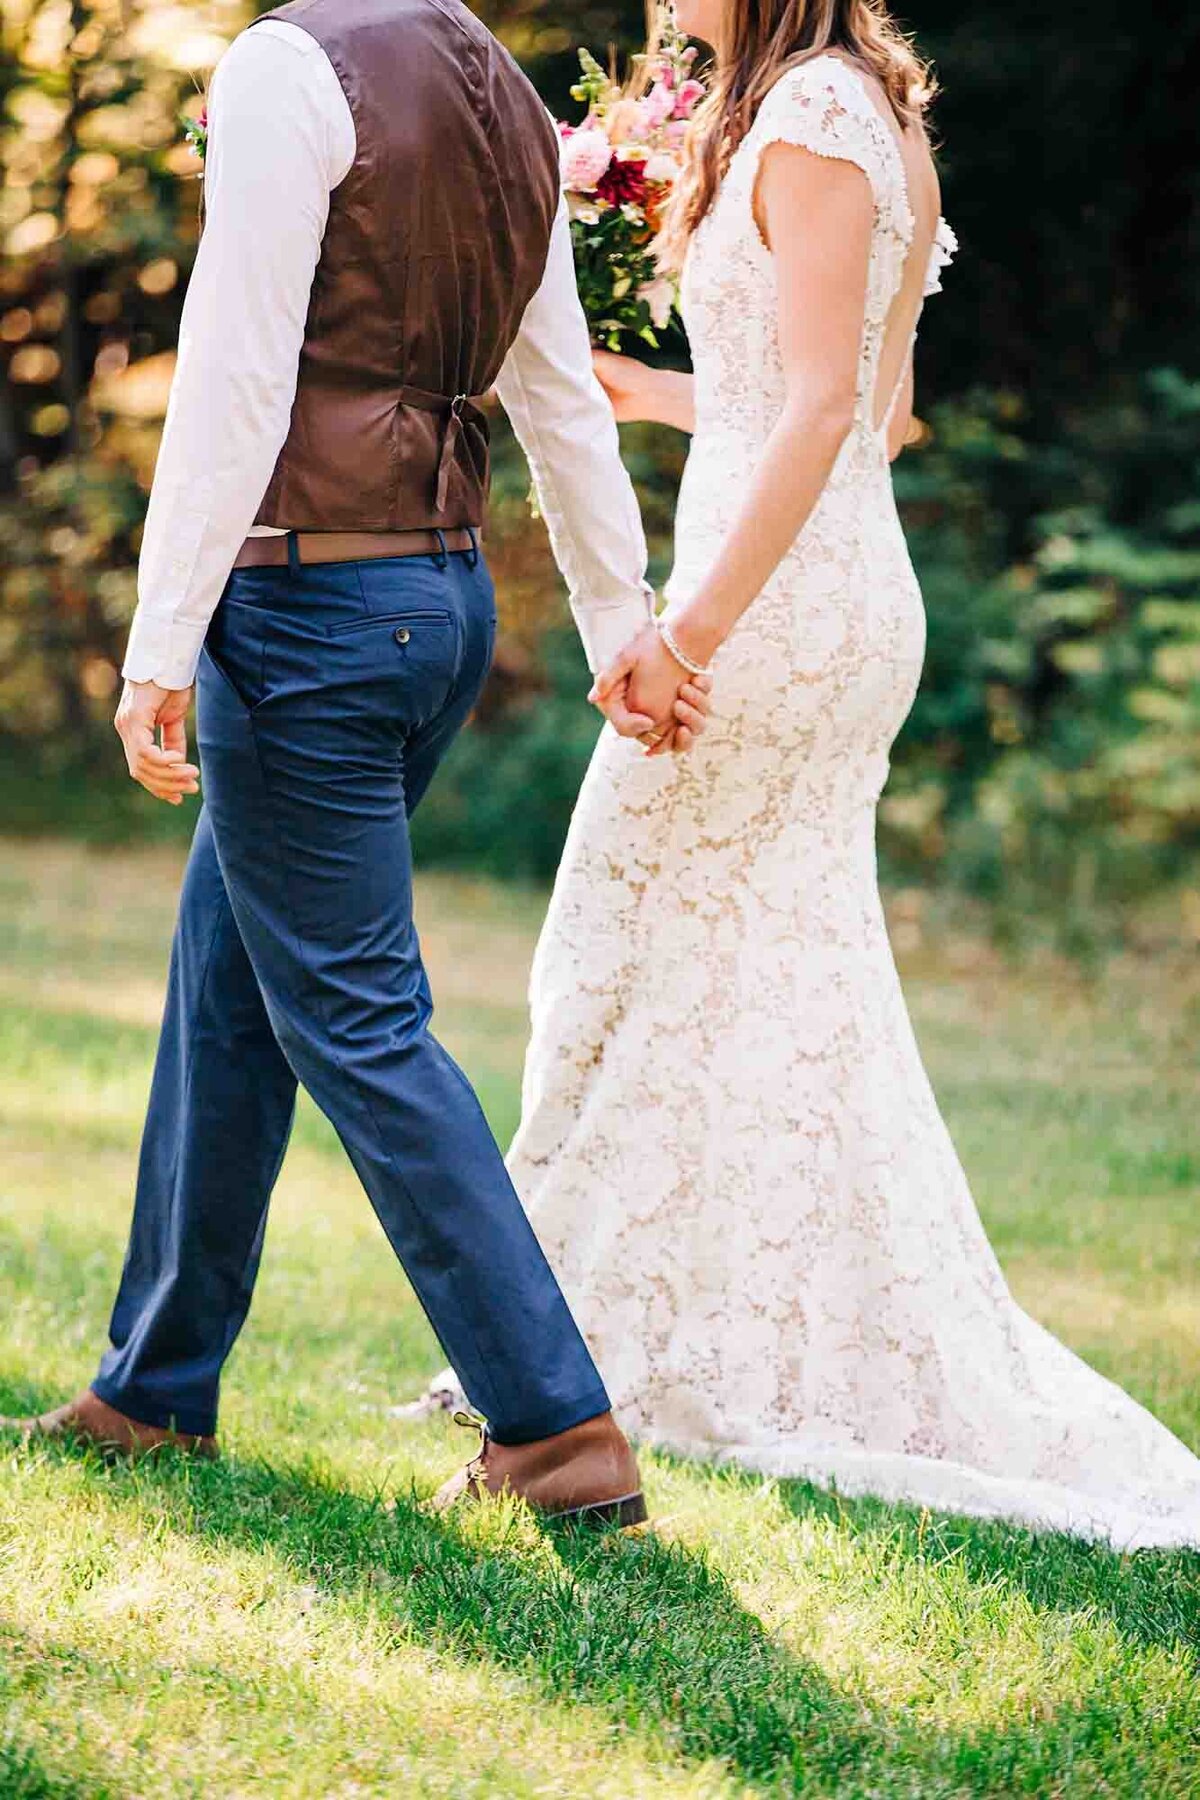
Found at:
(925, 206)
(731, 292)
(827, 106)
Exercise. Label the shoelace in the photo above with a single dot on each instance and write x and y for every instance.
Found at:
(472, 1422)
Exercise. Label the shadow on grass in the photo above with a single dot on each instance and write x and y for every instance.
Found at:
(647, 1631)
(642, 1628)
(1151, 1596)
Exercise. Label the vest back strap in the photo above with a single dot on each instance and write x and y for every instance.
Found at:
(457, 408)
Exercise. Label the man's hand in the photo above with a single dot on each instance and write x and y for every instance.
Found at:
(162, 768)
(646, 694)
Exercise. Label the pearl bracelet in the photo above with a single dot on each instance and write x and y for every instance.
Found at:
(668, 638)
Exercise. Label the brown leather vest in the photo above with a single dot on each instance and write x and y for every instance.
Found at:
(436, 242)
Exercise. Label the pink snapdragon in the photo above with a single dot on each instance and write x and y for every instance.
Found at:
(687, 99)
(658, 106)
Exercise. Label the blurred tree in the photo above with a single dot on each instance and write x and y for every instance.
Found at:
(1055, 744)
(99, 225)
(1052, 723)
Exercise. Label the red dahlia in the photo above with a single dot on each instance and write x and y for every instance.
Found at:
(624, 184)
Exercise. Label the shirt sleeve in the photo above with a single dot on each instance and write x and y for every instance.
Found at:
(269, 173)
(566, 428)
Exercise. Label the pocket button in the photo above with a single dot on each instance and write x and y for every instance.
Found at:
(403, 634)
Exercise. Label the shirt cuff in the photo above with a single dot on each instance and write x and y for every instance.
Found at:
(167, 655)
(607, 626)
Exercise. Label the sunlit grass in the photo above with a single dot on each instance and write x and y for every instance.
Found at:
(291, 1621)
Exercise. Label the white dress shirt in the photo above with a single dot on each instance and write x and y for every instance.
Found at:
(281, 138)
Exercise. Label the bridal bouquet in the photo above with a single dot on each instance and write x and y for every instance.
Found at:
(619, 167)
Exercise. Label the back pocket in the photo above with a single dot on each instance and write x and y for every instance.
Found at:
(419, 650)
(395, 622)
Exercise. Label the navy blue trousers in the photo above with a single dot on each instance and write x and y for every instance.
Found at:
(326, 698)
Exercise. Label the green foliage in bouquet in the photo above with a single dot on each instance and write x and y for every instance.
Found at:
(594, 84)
(613, 269)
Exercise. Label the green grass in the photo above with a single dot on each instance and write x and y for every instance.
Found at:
(293, 1622)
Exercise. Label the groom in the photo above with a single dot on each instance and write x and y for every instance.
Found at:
(384, 242)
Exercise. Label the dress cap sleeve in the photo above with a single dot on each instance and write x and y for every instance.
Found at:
(822, 106)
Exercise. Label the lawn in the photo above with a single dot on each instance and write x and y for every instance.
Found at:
(292, 1622)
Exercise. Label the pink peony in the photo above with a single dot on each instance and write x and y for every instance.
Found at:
(687, 99)
(586, 156)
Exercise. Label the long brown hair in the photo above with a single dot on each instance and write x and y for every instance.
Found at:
(763, 39)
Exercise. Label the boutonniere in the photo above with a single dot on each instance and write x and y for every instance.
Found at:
(195, 132)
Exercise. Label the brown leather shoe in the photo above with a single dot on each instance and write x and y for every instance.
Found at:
(88, 1420)
(587, 1473)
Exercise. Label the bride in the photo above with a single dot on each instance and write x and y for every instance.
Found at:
(729, 1147)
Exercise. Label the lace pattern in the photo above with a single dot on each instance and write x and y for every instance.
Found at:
(729, 1146)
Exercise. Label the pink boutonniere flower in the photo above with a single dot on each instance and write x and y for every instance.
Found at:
(195, 131)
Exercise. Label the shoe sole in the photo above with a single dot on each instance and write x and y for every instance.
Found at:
(630, 1510)
(109, 1449)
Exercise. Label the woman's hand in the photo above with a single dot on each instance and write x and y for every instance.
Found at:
(638, 392)
(627, 382)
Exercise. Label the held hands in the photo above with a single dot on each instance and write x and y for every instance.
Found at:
(162, 768)
(645, 694)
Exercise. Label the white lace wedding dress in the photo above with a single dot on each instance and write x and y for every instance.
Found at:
(729, 1146)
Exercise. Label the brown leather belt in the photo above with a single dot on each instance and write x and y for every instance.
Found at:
(351, 546)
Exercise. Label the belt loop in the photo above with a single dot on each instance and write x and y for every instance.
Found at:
(473, 552)
(293, 549)
(442, 558)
